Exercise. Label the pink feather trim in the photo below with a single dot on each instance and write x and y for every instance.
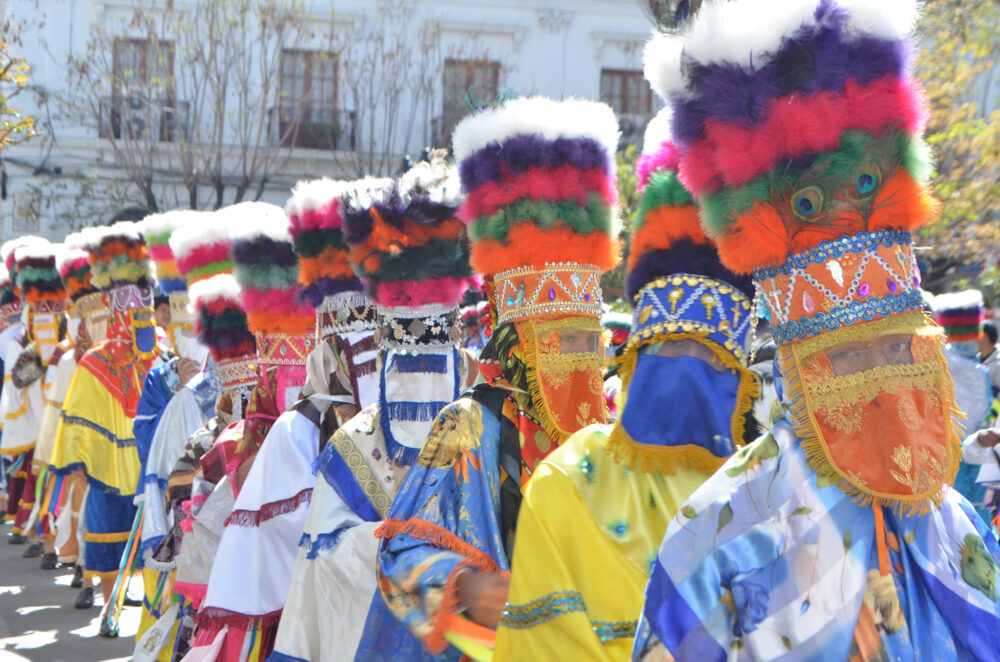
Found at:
(204, 255)
(731, 154)
(665, 158)
(540, 183)
(445, 291)
(275, 301)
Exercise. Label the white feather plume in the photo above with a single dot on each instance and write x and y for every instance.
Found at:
(657, 131)
(169, 221)
(221, 287)
(248, 220)
(957, 300)
(573, 118)
(8, 248)
(209, 229)
(315, 194)
(68, 255)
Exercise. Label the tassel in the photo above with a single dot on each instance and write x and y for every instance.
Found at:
(430, 363)
(414, 411)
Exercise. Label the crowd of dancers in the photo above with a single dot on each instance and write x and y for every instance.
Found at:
(286, 422)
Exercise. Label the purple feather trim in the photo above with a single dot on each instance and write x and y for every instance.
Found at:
(314, 293)
(684, 256)
(420, 209)
(499, 160)
(264, 250)
(821, 57)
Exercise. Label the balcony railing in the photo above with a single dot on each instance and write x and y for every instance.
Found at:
(312, 127)
(136, 116)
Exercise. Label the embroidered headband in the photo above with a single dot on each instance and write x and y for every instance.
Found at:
(316, 224)
(539, 179)
(801, 140)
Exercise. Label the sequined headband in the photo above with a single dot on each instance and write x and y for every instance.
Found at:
(284, 349)
(688, 303)
(557, 290)
(345, 312)
(129, 297)
(427, 326)
(838, 283)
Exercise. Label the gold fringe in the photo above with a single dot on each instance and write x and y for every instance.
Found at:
(664, 460)
(817, 454)
(529, 342)
(105, 537)
(17, 450)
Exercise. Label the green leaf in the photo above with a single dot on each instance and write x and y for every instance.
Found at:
(725, 516)
(688, 511)
(801, 510)
(847, 540)
(788, 642)
(909, 537)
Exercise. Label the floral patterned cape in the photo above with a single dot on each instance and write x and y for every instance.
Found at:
(767, 562)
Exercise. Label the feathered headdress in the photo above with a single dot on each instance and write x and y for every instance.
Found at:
(38, 277)
(316, 223)
(539, 178)
(7, 254)
(408, 245)
(961, 314)
(10, 303)
(799, 133)
(119, 258)
(267, 271)
(680, 291)
(157, 230)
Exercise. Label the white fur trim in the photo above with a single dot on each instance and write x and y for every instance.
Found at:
(957, 300)
(8, 248)
(124, 230)
(209, 229)
(69, 255)
(743, 32)
(248, 220)
(573, 118)
(221, 287)
(661, 60)
(887, 19)
(169, 221)
(4, 276)
(361, 193)
(657, 131)
(315, 194)
(37, 251)
(438, 180)
(75, 240)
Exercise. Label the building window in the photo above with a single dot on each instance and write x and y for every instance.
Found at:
(308, 115)
(465, 82)
(143, 103)
(630, 96)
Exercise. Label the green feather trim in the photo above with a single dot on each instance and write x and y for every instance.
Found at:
(438, 258)
(835, 168)
(33, 274)
(310, 243)
(663, 190)
(157, 239)
(211, 269)
(266, 277)
(595, 215)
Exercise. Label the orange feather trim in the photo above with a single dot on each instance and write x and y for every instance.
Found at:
(271, 322)
(757, 239)
(662, 227)
(904, 203)
(331, 263)
(387, 238)
(528, 244)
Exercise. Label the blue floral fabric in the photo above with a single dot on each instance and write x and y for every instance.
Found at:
(765, 563)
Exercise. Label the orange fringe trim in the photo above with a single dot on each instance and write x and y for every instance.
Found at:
(331, 263)
(444, 539)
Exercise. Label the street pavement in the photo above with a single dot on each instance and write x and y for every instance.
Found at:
(39, 623)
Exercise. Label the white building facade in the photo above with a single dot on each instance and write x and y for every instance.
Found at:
(354, 89)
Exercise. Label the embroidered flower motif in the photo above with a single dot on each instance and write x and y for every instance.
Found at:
(979, 570)
(746, 596)
(618, 528)
(881, 596)
(902, 458)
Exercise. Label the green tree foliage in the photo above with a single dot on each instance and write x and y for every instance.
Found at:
(959, 65)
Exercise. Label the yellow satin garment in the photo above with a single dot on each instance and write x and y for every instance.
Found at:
(587, 534)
